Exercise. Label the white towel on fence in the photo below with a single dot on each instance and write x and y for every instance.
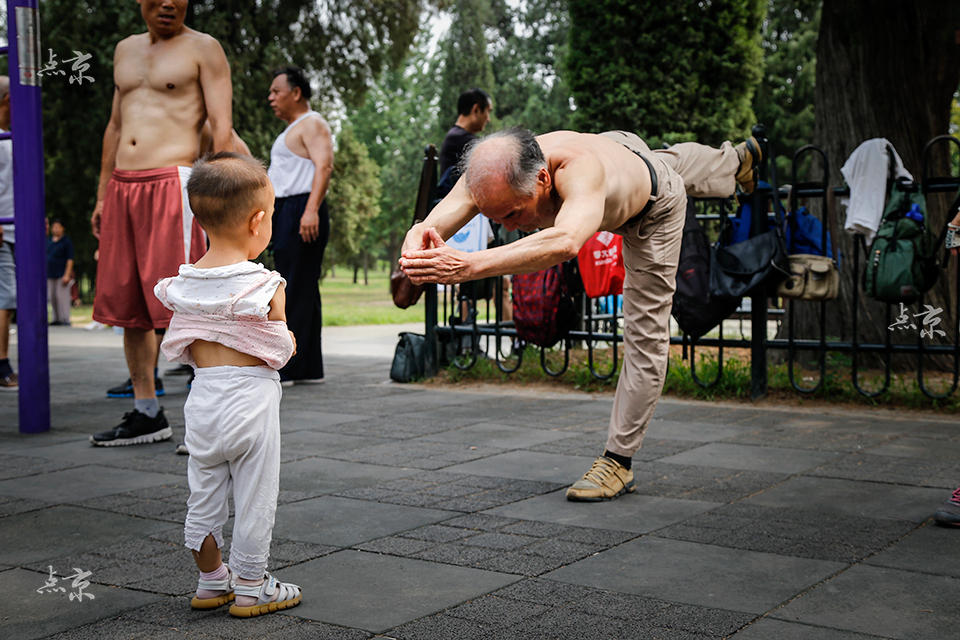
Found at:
(866, 173)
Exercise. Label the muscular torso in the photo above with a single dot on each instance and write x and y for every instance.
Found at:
(626, 177)
(161, 102)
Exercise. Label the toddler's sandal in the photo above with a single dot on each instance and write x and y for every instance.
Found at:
(288, 595)
(215, 585)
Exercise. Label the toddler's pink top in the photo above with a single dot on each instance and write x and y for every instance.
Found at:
(227, 305)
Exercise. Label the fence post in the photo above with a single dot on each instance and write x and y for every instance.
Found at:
(23, 31)
(758, 301)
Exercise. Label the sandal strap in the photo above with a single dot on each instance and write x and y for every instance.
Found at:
(264, 592)
(226, 584)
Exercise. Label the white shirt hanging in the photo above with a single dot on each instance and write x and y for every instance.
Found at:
(866, 173)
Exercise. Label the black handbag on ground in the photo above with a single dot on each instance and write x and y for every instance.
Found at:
(409, 360)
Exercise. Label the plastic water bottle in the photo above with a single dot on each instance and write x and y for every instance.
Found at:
(915, 214)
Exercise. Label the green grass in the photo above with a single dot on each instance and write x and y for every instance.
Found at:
(346, 303)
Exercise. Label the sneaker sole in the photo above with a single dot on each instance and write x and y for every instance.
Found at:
(157, 436)
(262, 609)
(630, 488)
(8, 388)
(160, 393)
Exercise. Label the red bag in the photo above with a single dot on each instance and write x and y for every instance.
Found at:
(544, 311)
(601, 264)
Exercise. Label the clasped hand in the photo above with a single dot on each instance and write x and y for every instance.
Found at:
(435, 261)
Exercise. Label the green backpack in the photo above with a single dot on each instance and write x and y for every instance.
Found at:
(903, 261)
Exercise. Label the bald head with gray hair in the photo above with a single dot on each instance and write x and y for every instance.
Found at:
(513, 155)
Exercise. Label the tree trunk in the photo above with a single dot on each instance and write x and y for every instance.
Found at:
(366, 276)
(885, 68)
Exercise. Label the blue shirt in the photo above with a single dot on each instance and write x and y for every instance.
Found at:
(57, 255)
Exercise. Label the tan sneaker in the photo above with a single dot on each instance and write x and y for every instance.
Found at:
(606, 479)
(750, 155)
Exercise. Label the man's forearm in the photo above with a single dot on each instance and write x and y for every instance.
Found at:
(532, 253)
(318, 189)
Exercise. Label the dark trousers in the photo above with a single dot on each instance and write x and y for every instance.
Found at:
(300, 263)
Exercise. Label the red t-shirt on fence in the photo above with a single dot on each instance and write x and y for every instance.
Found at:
(601, 264)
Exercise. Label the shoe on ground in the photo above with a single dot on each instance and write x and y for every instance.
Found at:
(606, 480)
(948, 515)
(286, 384)
(271, 596)
(136, 428)
(182, 449)
(750, 155)
(9, 382)
(125, 390)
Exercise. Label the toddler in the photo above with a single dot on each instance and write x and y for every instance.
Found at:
(229, 324)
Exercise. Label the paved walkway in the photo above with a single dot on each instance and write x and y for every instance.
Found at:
(415, 513)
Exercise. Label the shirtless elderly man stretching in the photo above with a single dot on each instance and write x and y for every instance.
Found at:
(571, 185)
(169, 81)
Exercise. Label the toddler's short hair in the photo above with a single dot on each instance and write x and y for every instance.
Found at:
(224, 188)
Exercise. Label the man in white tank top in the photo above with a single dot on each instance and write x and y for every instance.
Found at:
(301, 161)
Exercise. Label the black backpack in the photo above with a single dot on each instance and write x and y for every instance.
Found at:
(694, 308)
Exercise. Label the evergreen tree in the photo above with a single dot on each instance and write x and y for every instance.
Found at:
(669, 71)
(465, 59)
(353, 198)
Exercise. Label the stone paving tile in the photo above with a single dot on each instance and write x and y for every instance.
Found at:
(880, 601)
(697, 431)
(895, 470)
(752, 458)
(709, 484)
(16, 466)
(822, 436)
(399, 427)
(452, 491)
(541, 609)
(126, 629)
(12, 506)
(790, 532)
(767, 628)
(166, 502)
(505, 545)
(81, 483)
(592, 445)
(420, 454)
(928, 549)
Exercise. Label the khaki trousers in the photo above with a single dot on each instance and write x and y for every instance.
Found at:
(651, 251)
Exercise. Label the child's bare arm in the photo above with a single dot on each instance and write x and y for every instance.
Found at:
(278, 311)
(278, 305)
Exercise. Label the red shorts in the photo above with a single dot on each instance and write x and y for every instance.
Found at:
(146, 232)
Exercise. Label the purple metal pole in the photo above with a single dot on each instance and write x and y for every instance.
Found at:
(23, 55)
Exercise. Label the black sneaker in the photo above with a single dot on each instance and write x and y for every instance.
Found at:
(125, 390)
(182, 449)
(136, 428)
(948, 515)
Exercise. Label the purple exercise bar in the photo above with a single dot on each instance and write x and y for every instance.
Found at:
(23, 56)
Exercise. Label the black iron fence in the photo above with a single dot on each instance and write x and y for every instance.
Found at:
(464, 324)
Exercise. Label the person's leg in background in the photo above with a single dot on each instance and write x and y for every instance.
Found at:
(8, 302)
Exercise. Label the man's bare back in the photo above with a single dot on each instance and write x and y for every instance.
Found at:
(161, 99)
(626, 178)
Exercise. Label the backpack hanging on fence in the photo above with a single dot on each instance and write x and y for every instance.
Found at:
(694, 309)
(601, 265)
(903, 261)
(544, 310)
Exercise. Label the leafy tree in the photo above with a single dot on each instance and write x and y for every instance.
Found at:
(465, 59)
(784, 98)
(354, 200)
(669, 71)
(531, 91)
(396, 122)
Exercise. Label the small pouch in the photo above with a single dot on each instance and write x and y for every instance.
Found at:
(812, 277)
